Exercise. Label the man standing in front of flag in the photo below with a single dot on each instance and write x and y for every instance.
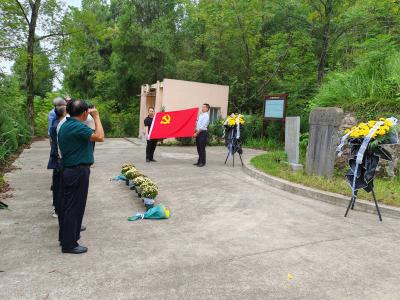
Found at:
(201, 134)
(151, 143)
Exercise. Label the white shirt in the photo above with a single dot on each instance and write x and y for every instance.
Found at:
(61, 123)
(90, 122)
(58, 129)
(202, 122)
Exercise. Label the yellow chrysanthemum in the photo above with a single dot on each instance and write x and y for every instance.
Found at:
(381, 132)
(231, 122)
(388, 123)
(354, 134)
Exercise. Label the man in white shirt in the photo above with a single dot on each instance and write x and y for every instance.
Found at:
(201, 134)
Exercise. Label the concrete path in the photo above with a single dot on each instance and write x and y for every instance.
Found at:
(229, 237)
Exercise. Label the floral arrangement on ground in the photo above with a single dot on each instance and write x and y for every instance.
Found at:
(143, 185)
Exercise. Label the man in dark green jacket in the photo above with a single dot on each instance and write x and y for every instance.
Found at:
(74, 140)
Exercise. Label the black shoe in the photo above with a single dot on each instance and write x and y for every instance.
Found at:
(76, 250)
(201, 165)
(196, 164)
(153, 160)
(83, 228)
(147, 160)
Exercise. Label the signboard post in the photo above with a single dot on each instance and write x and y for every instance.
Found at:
(275, 111)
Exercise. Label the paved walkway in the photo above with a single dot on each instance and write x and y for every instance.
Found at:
(229, 237)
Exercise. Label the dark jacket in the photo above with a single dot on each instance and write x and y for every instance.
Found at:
(54, 160)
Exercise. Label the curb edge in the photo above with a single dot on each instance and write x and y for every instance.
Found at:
(328, 197)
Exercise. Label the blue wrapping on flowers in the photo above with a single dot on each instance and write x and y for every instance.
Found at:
(156, 213)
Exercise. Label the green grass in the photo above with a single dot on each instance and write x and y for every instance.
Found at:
(273, 163)
(264, 144)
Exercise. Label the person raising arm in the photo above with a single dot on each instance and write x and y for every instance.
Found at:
(98, 134)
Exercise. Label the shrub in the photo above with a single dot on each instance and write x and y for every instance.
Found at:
(371, 89)
(215, 132)
(185, 141)
(42, 108)
(252, 129)
(116, 122)
(14, 129)
(263, 143)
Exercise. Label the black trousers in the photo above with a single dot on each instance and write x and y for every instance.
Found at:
(201, 141)
(76, 186)
(58, 197)
(57, 190)
(150, 148)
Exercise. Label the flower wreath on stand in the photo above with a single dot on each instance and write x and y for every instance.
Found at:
(232, 127)
(367, 141)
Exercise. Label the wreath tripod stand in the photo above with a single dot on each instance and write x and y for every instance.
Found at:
(353, 201)
(234, 145)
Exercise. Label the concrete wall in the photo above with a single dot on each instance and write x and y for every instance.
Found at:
(179, 94)
(174, 94)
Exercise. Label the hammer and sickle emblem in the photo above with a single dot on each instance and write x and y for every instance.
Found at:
(166, 120)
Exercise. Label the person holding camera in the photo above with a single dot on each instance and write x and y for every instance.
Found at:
(90, 123)
(75, 143)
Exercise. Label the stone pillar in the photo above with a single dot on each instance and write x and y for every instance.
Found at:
(324, 138)
(292, 140)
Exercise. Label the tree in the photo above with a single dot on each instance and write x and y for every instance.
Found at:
(21, 19)
(256, 47)
(44, 75)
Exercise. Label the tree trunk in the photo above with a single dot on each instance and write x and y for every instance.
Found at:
(29, 65)
(325, 42)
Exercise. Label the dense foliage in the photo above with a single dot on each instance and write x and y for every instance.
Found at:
(14, 129)
(372, 88)
(321, 52)
(256, 47)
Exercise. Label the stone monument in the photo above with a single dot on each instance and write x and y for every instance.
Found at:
(324, 138)
(292, 140)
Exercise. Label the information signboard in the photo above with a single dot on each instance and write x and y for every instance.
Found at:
(275, 110)
(275, 107)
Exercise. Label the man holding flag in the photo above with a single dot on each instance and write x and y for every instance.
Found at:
(201, 134)
(173, 124)
(182, 123)
(151, 143)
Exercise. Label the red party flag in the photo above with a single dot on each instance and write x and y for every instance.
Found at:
(174, 124)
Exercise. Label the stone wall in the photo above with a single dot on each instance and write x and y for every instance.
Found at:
(349, 120)
(321, 151)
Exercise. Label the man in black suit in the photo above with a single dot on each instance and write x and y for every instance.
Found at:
(151, 144)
